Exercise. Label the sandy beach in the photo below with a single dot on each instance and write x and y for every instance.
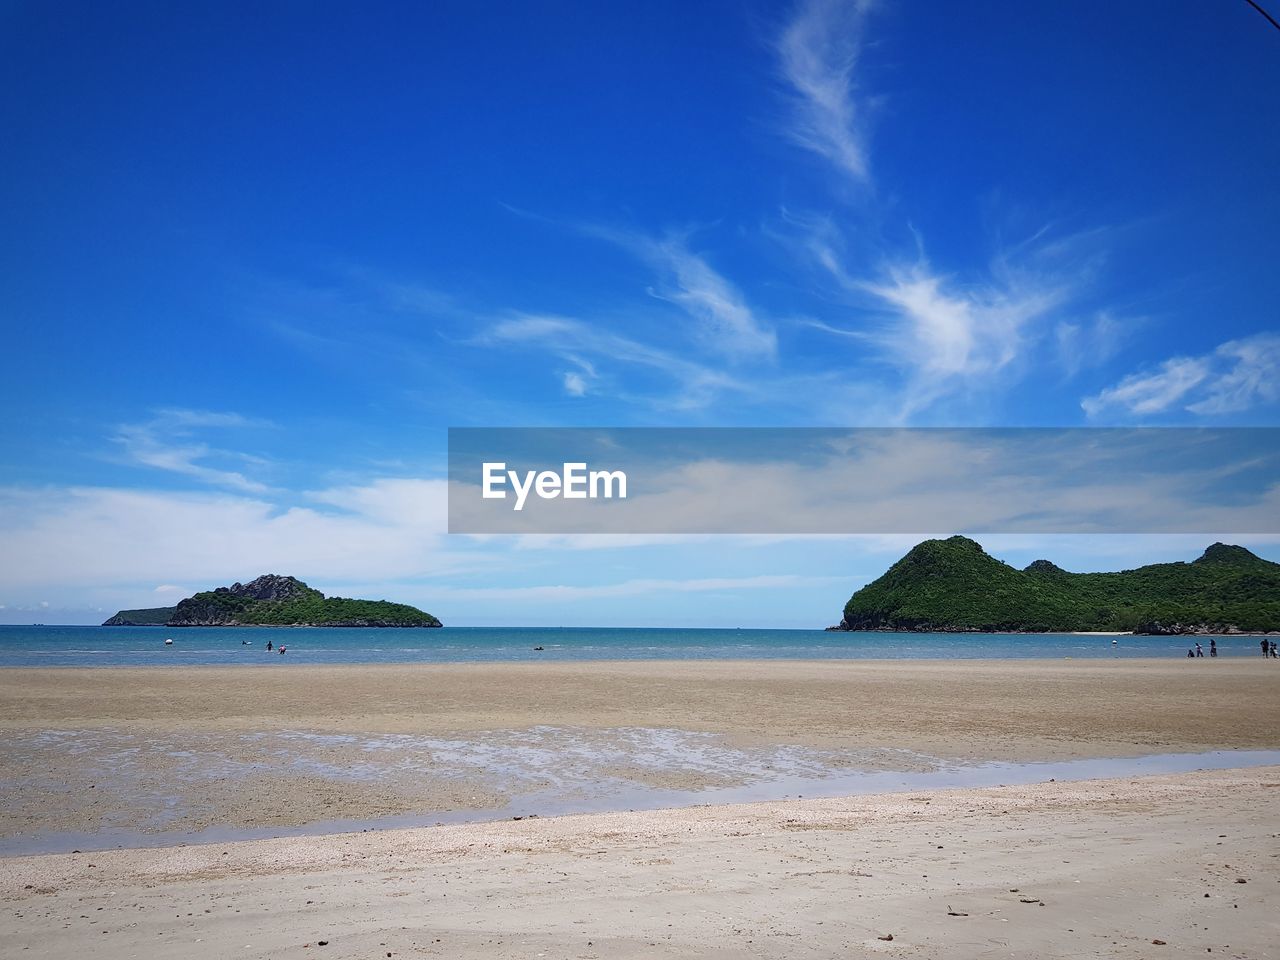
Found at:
(1089, 868)
(1158, 867)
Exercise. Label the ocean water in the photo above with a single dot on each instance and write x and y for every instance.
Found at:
(48, 646)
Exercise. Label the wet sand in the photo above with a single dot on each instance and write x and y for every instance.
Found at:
(131, 753)
(1028, 709)
(1185, 866)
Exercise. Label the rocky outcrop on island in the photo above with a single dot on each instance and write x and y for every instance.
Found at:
(954, 586)
(273, 600)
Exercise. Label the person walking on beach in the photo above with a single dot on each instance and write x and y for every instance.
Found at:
(1199, 650)
(1213, 646)
(1273, 648)
(1264, 648)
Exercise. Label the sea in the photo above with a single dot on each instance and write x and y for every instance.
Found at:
(87, 646)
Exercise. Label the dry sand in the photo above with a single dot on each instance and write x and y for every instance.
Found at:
(1091, 869)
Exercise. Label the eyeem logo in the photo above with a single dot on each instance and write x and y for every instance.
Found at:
(574, 482)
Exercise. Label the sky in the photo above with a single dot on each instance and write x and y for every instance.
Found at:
(258, 258)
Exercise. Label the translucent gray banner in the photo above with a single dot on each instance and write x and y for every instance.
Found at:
(869, 481)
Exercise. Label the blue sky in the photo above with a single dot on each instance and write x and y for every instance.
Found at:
(258, 258)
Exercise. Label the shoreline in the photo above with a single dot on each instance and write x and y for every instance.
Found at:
(1032, 871)
(833, 628)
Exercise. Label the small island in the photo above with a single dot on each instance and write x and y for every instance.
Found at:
(954, 586)
(274, 601)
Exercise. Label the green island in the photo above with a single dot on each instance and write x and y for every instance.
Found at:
(953, 585)
(275, 601)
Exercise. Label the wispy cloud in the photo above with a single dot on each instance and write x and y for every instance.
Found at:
(818, 53)
(1237, 376)
(573, 341)
(167, 442)
(1250, 377)
(946, 337)
(946, 332)
(725, 324)
(1090, 341)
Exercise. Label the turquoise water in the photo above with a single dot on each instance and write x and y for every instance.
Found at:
(45, 646)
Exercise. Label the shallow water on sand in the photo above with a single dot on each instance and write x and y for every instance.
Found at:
(132, 790)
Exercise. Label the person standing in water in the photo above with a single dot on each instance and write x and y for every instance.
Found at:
(268, 646)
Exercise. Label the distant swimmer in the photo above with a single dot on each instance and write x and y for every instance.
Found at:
(537, 648)
(282, 649)
(268, 646)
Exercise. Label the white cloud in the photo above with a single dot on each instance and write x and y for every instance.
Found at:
(390, 529)
(572, 340)
(166, 442)
(818, 52)
(1251, 377)
(953, 338)
(947, 334)
(726, 323)
(1237, 376)
(574, 384)
(1090, 342)
(945, 337)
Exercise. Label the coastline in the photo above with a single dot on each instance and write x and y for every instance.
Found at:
(1181, 865)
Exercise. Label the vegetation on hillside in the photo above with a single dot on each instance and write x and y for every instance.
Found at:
(954, 584)
(273, 600)
(312, 608)
(147, 617)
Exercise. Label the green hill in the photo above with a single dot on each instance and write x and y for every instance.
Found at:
(954, 585)
(273, 600)
(147, 617)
